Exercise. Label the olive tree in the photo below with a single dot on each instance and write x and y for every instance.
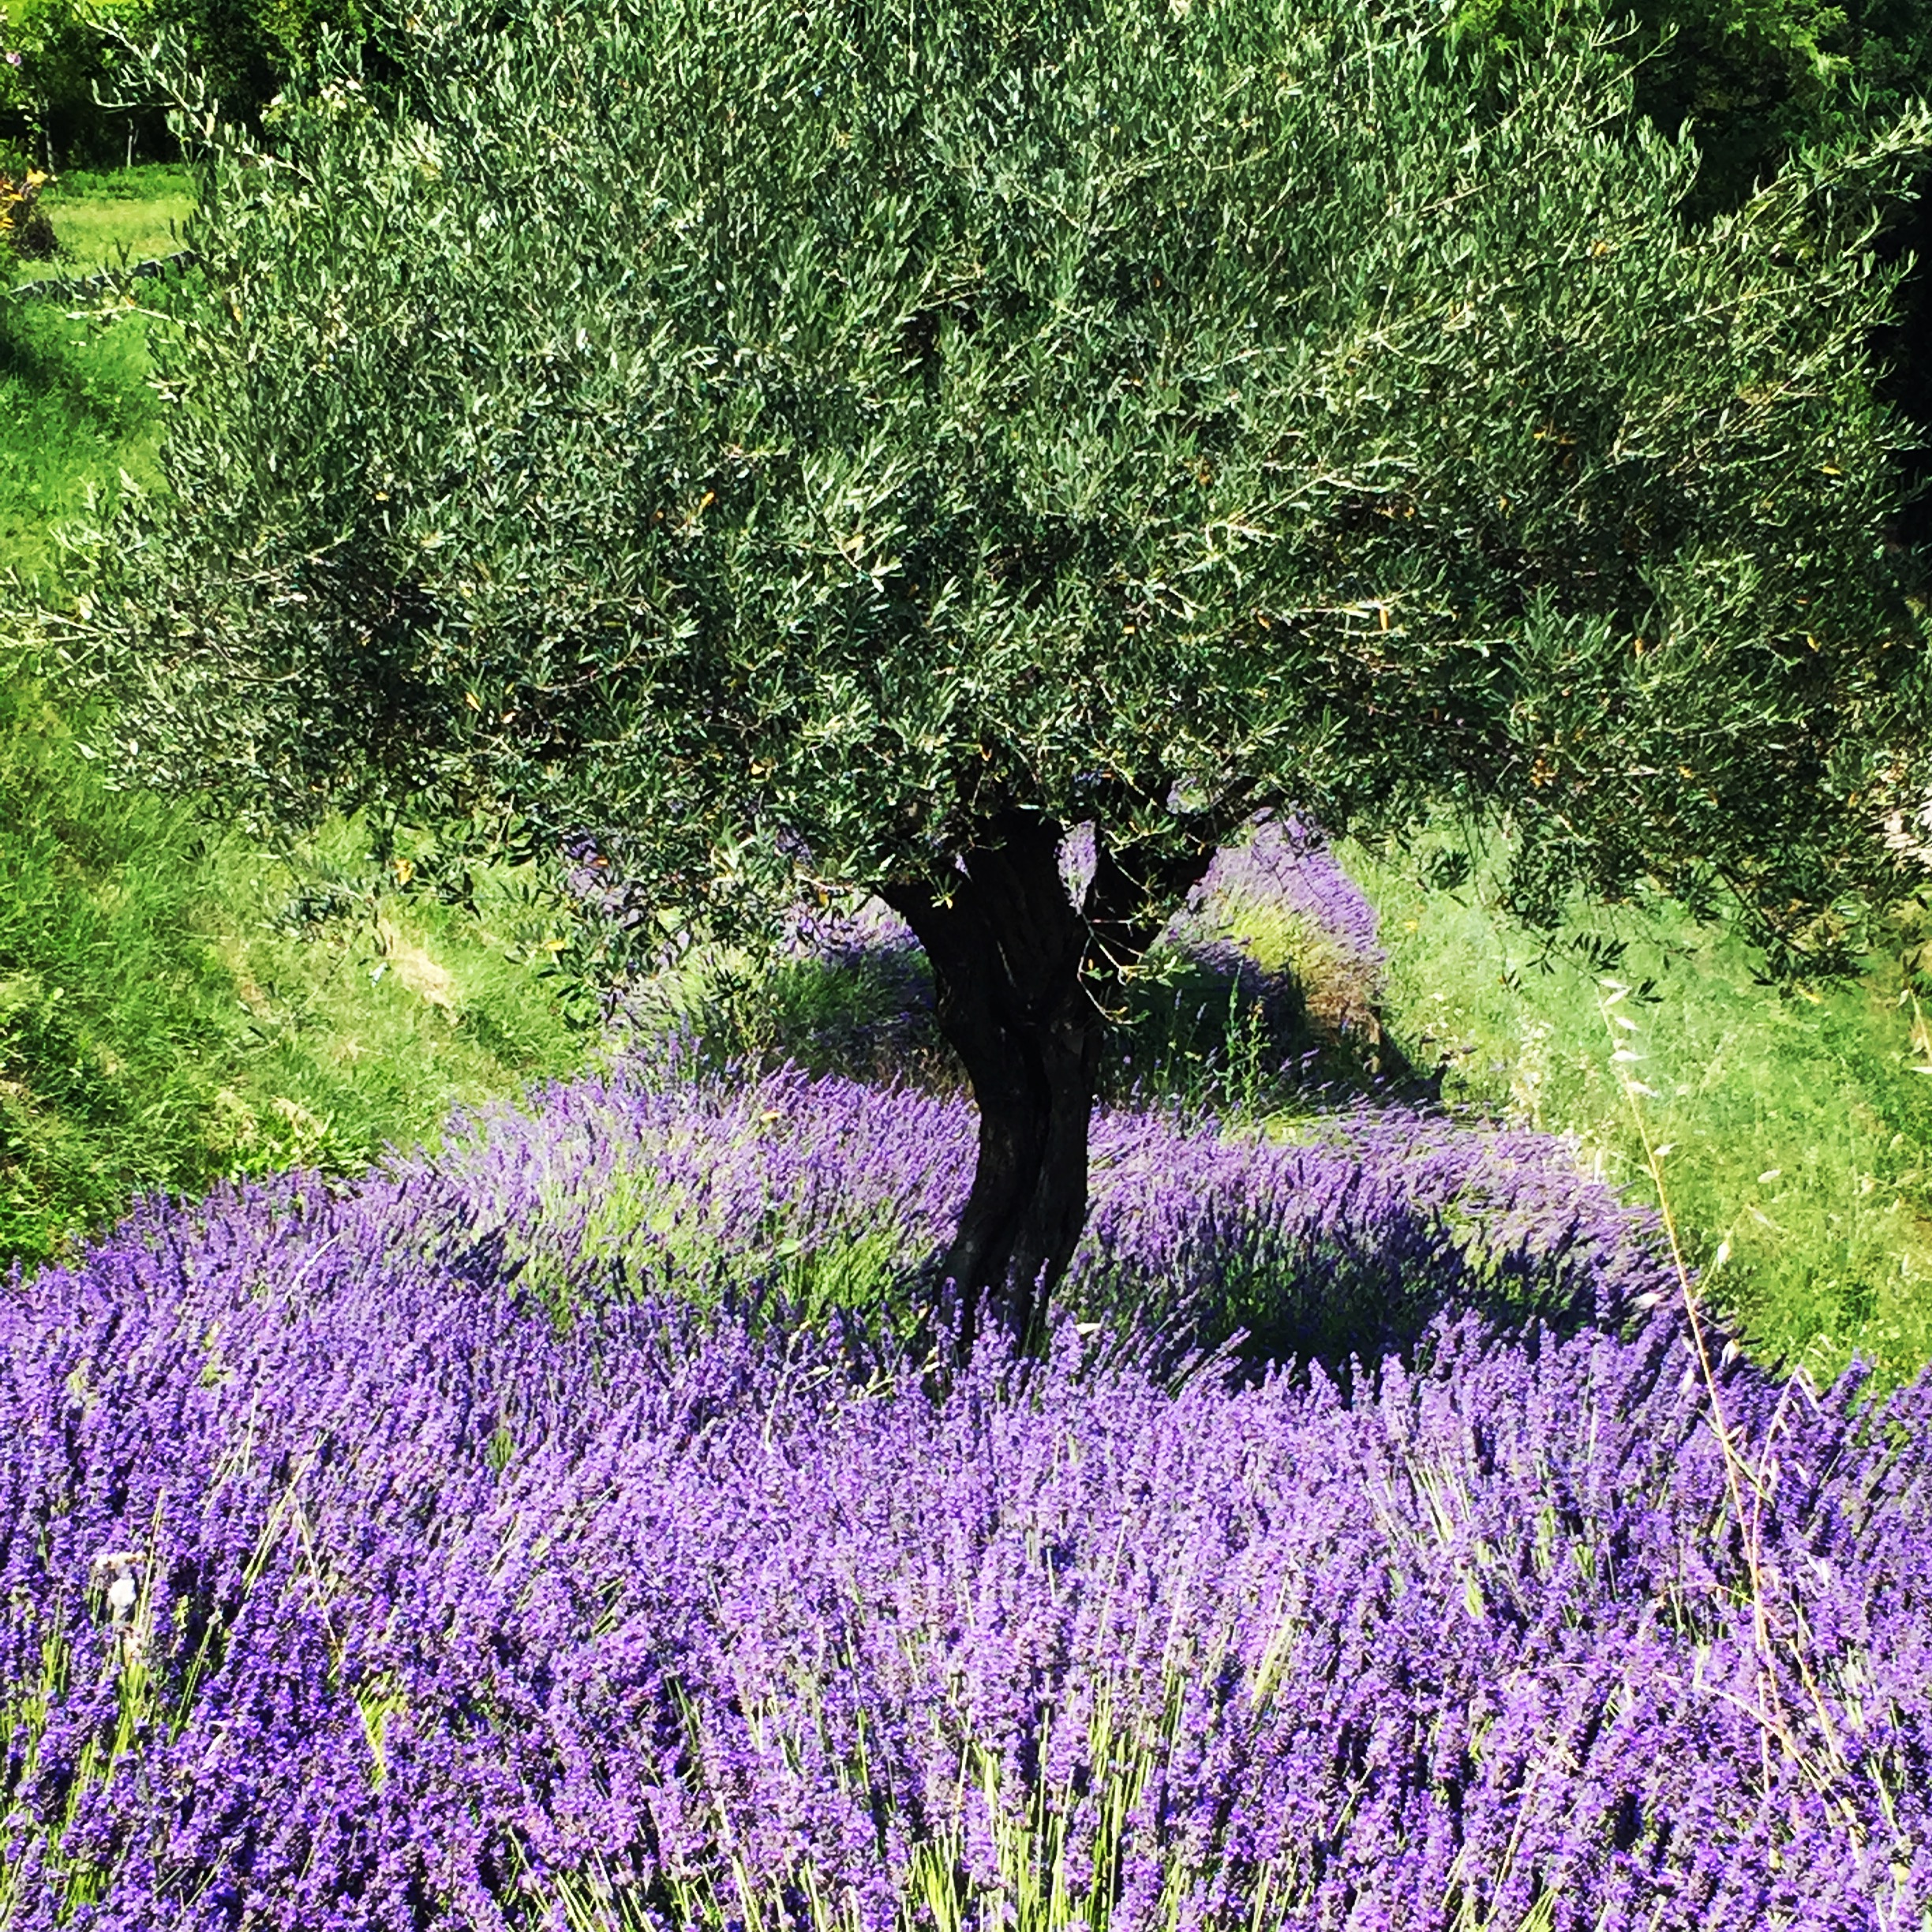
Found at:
(819, 443)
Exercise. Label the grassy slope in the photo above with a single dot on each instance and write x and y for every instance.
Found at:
(167, 1014)
(1798, 1127)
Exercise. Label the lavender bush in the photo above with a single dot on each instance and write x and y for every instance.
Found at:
(1282, 874)
(1280, 926)
(828, 1188)
(345, 1585)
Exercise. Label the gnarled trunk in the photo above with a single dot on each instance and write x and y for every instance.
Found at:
(1014, 961)
(1006, 951)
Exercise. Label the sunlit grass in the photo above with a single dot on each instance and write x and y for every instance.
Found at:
(75, 415)
(1799, 1130)
(178, 1003)
(102, 219)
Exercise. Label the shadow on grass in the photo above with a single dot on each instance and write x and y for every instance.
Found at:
(72, 373)
(1206, 1030)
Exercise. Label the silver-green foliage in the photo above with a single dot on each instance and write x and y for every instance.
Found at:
(695, 423)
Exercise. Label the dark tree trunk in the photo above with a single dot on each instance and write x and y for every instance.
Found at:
(1016, 964)
(1006, 951)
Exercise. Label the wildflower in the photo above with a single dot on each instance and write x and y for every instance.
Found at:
(123, 1590)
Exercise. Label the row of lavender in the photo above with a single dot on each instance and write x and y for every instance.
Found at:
(367, 1559)
(1346, 1243)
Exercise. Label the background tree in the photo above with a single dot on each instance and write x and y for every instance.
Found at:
(1755, 81)
(55, 52)
(826, 446)
(249, 50)
(76, 95)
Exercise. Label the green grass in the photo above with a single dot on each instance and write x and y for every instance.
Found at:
(1798, 1127)
(124, 215)
(76, 413)
(171, 1010)
(178, 1003)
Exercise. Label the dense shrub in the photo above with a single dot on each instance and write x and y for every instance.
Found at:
(25, 229)
(60, 55)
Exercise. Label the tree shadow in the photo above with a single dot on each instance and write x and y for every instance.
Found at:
(1352, 1297)
(1204, 1026)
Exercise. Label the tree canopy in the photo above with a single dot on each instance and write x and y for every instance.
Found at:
(842, 445)
(1755, 79)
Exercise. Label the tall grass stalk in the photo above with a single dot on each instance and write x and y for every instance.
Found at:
(1742, 1473)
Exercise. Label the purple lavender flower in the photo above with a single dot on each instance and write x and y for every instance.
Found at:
(1348, 1242)
(1285, 863)
(448, 1611)
(1277, 903)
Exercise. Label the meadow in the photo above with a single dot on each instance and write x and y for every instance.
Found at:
(470, 1462)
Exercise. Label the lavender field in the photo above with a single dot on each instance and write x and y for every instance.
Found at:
(570, 1529)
